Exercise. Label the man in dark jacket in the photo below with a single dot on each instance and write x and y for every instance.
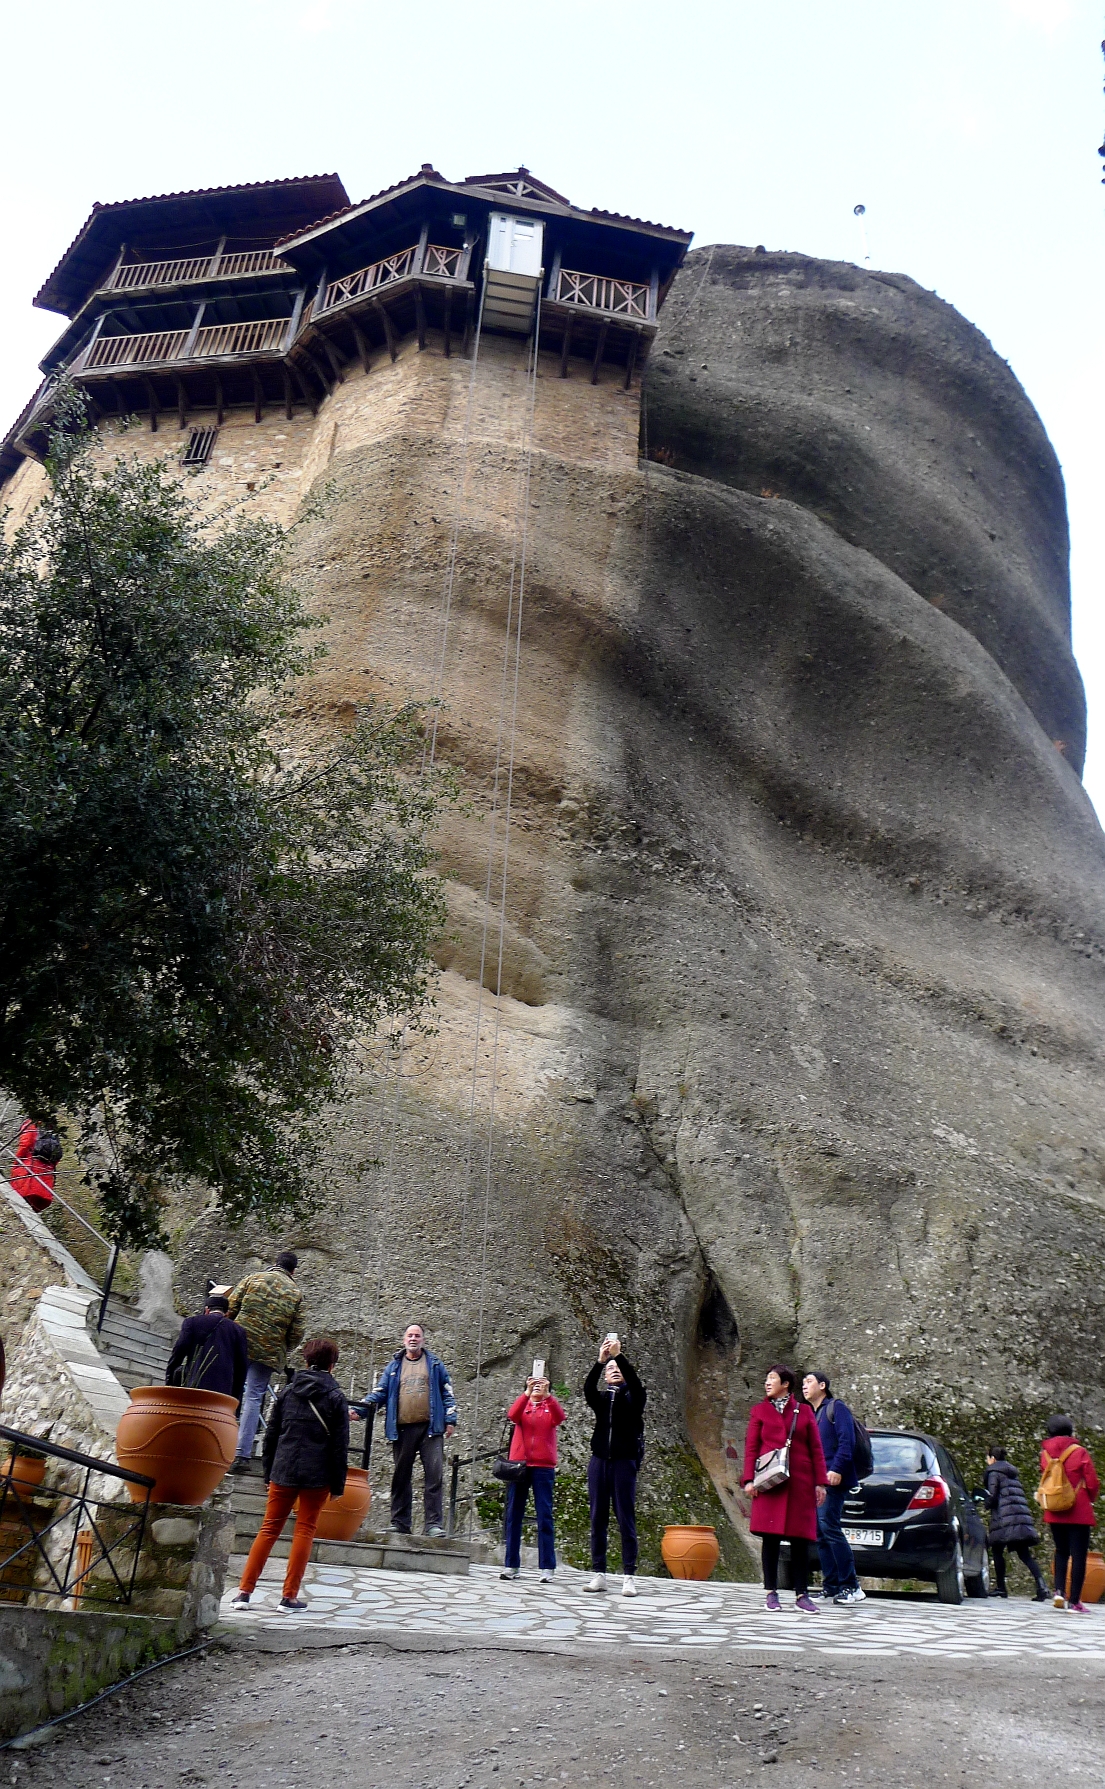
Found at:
(839, 1582)
(211, 1353)
(617, 1397)
(420, 1416)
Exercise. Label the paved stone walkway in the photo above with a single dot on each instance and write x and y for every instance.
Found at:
(731, 1617)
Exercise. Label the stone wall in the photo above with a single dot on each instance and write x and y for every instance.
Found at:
(51, 1661)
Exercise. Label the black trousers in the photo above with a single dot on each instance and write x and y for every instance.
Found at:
(799, 1562)
(613, 1481)
(416, 1442)
(1023, 1550)
(1072, 1540)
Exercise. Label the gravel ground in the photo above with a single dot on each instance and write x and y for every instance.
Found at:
(481, 1718)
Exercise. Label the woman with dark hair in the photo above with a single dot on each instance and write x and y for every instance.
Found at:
(788, 1512)
(305, 1458)
(1011, 1523)
(1070, 1526)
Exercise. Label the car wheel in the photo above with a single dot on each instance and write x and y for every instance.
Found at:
(951, 1586)
(978, 1583)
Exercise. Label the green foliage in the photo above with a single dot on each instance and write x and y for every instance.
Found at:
(195, 927)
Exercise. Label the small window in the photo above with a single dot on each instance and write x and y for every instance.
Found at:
(198, 450)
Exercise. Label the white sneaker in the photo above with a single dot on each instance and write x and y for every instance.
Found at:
(511, 1572)
(598, 1582)
(629, 1586)
(548, 1577)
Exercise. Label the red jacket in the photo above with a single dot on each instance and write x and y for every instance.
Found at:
(30, 1176)
(1081, 1471)
(792, 1509)
(535, 1426)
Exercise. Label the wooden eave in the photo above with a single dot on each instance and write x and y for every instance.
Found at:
(267, 208)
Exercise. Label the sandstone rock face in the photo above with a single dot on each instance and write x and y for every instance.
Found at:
(800, 1048)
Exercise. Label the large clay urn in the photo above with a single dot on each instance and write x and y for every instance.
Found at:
(25, 1470)
(690, 1551)
(341, 1517)
(1093, 1584)
(182, 1438)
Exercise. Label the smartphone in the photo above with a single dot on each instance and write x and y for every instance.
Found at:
(611, 1336)
(538, 1369)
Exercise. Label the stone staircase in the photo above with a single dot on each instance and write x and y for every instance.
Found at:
(392, 1552)
(137, 1352)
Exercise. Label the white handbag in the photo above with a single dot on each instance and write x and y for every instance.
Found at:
(773, 1468)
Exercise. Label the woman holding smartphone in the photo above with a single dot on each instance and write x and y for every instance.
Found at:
(536, 1416)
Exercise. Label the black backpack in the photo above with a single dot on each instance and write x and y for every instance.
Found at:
(47, 1148)
(863, 1459)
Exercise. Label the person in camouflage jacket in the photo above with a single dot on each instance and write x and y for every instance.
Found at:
(269, 1307)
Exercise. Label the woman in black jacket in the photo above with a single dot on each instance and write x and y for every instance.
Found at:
(305, 1458)
(1011, 1523)
(617, 1448)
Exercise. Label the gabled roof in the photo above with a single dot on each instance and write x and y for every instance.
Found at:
(521, 184)
(277, 207)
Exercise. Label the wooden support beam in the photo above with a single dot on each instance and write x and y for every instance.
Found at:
(258, 396)
(334, 358)
(448, 319)
(420, 251)
(420, 317)
(389, 333)
(362, 346)
(565, 348)
(631, 358)
(320, 293)
(294, 321)
(600, 348)
(218, 400)
(289, 406)
(469, 324)
(154, 406)
(308, 394)
(316, 368)
(181, 404)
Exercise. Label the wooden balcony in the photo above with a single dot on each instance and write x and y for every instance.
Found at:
(437, 263)
(615, 298)
(174, 345)
(135, 274)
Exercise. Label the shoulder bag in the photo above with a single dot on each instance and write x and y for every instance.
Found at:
(510, 1471)
(773, 1468)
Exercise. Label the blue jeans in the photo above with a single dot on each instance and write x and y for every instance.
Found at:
(541, 1478)
(257, 1379)
(838, 1568)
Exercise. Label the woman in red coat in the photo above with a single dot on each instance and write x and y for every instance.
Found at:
(32, 1175)
(1070, 1528)
(789, 1513)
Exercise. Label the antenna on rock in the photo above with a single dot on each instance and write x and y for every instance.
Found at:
(859, 212)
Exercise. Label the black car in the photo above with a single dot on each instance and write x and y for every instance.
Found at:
(912, 1517)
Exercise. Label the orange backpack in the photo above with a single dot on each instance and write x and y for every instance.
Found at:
(1055, 1491)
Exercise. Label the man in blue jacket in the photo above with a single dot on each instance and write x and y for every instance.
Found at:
(421, 1415)
(839, 1582)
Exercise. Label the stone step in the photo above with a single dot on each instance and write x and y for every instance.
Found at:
(453, 1561)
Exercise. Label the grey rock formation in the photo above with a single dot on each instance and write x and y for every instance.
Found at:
(803, 1053)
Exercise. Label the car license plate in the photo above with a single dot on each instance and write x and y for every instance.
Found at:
(863, 1537)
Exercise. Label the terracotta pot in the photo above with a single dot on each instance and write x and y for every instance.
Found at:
(184, 1439)
(690, 1552)
(22, 1470)
(342, 1516)
(1093, 1585)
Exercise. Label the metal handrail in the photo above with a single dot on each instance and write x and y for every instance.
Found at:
(74, 1506)
(454, 1482)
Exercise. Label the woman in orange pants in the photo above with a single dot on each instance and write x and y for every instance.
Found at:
(305, 1457)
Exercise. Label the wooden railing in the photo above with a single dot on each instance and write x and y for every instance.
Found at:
(136, 350)
(438, 263)
(264, 337)
(241, 338)
(619, 298)
(197, 267)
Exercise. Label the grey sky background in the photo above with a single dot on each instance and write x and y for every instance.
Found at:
(967, 127)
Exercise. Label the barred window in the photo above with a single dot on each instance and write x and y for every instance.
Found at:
(198, 450)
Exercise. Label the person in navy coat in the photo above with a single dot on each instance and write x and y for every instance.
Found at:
(211, 1352)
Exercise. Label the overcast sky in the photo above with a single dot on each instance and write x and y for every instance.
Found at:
(968, 128)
